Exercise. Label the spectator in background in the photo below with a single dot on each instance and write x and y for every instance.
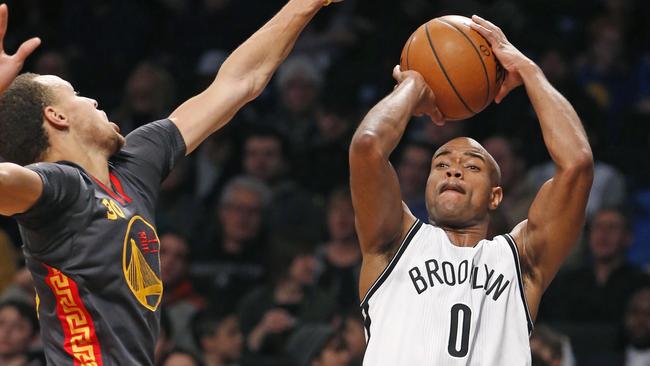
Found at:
(18, 330)
(269, 313)
(607, 190)
(299, 84)
(149, 94)
(232, 256)
(218, 338)
(598, 292)
(412, 169)
(21, 287)
(53, 62)
(318, 345)
(8, 259)
(164, 343)
(340, 257)
(353, 332)
(180, 300)
(323, 164)
(180, 357)
(637, 329)
(550, 347)
(604, 73)
(292, 214)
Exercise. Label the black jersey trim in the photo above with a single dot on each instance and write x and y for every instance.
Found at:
(515, 253)
(389, 268)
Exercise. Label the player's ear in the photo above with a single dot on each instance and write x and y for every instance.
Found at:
(55, 118)
(495, 197)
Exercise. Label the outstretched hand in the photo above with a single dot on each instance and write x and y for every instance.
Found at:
(426, 99)
(509, 56)
(10, 65)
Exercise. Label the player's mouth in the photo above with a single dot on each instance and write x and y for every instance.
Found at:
(451, 186)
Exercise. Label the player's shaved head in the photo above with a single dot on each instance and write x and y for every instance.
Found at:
(472, 147)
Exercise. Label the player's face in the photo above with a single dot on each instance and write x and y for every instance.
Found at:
(83, 117)
(459, 189)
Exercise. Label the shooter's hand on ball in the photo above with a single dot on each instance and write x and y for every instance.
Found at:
(426, 101)
(510, 57)
(10, 65)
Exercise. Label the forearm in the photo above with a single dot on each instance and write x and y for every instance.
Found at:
(259, 56)
(385, 122)
(563, 132)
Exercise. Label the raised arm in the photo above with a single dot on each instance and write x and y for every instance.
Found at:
(381, 218)
(20, 188)
(556, 216)
(245, 73)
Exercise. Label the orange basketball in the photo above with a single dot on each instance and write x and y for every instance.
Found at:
(457, 63)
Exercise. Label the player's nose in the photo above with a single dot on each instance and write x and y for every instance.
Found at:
(454, 172)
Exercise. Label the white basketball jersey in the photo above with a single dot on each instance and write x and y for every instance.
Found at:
(444, 305)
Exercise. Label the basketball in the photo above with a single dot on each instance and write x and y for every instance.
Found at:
(457, 63)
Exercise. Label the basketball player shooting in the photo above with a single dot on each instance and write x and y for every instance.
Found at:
(84, 196)
(441, 293)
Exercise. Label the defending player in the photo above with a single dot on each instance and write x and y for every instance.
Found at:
(86, 207)
(441, 293)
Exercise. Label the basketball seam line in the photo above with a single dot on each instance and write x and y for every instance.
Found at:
(487, 78)
(444, 72)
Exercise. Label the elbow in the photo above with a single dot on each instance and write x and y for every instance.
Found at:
(581, 166)
(365, 144)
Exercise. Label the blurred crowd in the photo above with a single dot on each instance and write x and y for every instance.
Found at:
(259, 255)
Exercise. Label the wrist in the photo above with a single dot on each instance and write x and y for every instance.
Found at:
(527, 67)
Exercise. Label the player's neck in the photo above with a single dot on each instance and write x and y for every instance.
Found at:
(467, 236)
(94, 161)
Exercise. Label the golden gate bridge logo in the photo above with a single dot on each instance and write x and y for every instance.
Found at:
(141, 262)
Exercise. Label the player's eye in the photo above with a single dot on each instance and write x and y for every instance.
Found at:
(441, 165)
(474, 168)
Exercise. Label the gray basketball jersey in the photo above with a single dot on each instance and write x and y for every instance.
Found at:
(444, 305)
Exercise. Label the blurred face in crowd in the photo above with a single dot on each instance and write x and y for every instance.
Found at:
(299, 94)
(173, 259)
(355, 337)
(340, 219)
(463, 184)
(637, 319)
(80, 116)
(15, 332)
(511, 165)
(303, 269)
(263, 158)
(413, 170)
(241, 215)
(331, 126)
(335, 353)
(180, 359)
(609, 236)
(227, 341)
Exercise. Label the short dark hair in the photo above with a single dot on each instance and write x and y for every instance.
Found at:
(23, 139)
(26, 312)
(205, 323)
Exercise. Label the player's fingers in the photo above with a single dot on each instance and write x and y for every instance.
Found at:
(27, 48)
(397, 73)
(4, 14)
(506, 87)
(495, 30)
(486, 33)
